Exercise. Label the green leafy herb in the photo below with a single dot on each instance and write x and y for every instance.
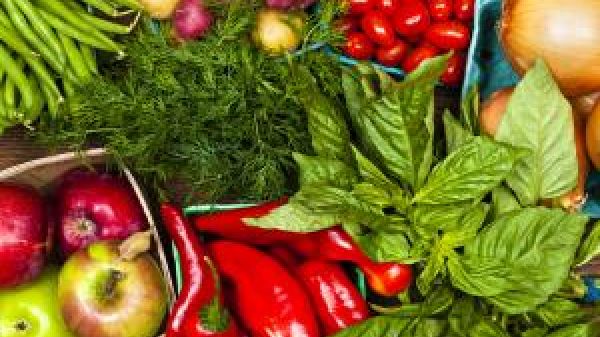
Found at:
(468, 173)
(522, 258)
(590, 247)
(538, 118)
(215, 116)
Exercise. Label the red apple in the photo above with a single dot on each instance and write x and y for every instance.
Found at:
(104, 294)
(94, 206)
(23, 234)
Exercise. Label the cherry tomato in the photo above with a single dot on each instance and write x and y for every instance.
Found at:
(347, 24)
(414, 59)
(440, 10)
(464, 10)
(360, 6)
(455, 70)
(388, 7)
(378, 28)
(411, 19)
(359, 46)
(393, 55)
(448, 35)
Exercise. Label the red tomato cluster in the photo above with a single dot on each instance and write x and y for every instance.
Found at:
(404, 33)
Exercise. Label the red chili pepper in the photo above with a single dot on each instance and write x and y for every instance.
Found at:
(230, 225)
(386, 279)
(199, 285)
(334, 244)
(284, 255)
(336, 299)
(268, 300)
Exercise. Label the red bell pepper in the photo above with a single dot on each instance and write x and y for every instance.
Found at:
(268, 300)
(199, 289)
(336, 299)
(284, 255)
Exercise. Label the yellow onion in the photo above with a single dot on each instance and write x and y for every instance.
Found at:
(492, 112)
(584, 105)
(565, 33)
(159, 9)
(277, 32)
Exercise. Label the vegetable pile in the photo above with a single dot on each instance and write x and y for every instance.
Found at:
(218, 114)
(47, 49)
(75, 256)
(404, 33)
(488, 259)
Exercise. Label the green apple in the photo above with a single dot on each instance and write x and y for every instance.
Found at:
(102, 294)
(31, 309)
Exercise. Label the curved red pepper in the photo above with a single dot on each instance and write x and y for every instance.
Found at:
(284, 255)
(334, 244)
(386, 279)
(336, 299)
(268, 300)
(199, 286)
(229, 224)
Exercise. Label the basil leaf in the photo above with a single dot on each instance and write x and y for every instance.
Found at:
(469, 111)
(395, 128)
(535, 332)
(382, 246)
(590, 248)
(487, 329)
(325, 171)
(438, 302)
(434, 266)
(558, 311)
(520, 259)
(503, 201)
(379, 326)
(463, 316)
(326, 124)
(468, 173)
(433, 218)
(576, 330)
(456, 135)
(317, 207)
(538, 118)
(430, 328)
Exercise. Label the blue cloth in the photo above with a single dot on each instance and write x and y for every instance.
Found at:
(593, 292)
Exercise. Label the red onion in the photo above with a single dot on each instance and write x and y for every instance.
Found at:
(191, 20)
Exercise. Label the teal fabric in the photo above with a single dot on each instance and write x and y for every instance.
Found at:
(486, 65)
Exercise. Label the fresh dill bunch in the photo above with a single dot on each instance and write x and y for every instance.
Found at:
(216, 115)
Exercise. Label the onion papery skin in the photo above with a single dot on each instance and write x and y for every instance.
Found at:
(565, 33)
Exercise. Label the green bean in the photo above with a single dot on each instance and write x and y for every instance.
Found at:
(22, 26)
(30, 115)
(40, 26)
(75, 58)
(101, 24)
(89, 58)
(13, 41)
(4, 120)
(14, 72)
(9, 95)
(103, 7)
(4, 20)
(59, 9)
(133, 4)
(52, 101)
(98, 42)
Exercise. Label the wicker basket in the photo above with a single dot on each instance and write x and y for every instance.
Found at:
(42, 174)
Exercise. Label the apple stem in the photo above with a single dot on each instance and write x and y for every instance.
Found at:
(111, 284)
(21, 326)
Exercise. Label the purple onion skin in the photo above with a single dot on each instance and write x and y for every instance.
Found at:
(191, 20)
(289, 4)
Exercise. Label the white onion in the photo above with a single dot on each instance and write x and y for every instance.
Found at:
(565, 33)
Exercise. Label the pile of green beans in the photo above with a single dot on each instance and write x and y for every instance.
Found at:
(48, 48)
